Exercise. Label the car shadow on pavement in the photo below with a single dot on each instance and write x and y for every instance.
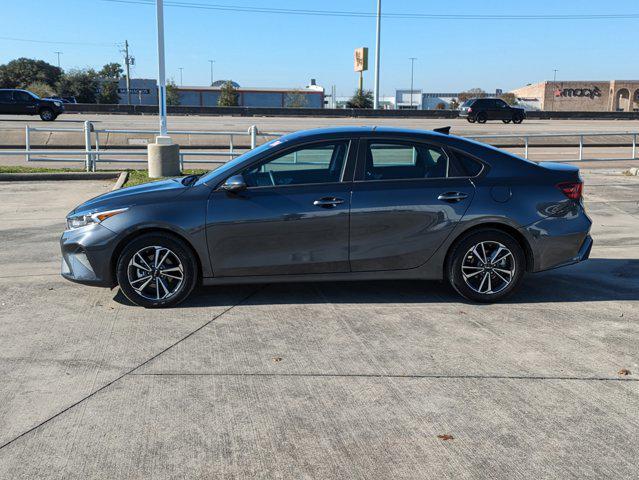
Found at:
(598, 279)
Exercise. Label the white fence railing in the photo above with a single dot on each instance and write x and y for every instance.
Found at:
(94, 153)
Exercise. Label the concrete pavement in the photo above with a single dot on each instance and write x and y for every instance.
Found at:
(346, 380)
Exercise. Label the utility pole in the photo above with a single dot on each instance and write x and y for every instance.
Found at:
(58, 53)
(127, 64)
(376, 87)
(211, 62)
(412, 65)
(180, 69)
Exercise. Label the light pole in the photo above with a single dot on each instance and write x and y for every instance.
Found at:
(412, 65)
(159, 7)
(180, 69)
(58, 53)
(554, 82)
(376, 87)
(211, 62)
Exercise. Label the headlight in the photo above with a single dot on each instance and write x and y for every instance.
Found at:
(78, 221)
(57, 104)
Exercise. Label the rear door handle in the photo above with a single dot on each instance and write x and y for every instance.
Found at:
(328, 202)
(452, 196)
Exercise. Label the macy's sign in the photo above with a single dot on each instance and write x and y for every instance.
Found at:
(578, 92)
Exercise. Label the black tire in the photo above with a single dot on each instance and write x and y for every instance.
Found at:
(481, 117)
(506, 121)
(179, 255)
(47, 115)
(495, 288)
(517, 119)
(470, 119)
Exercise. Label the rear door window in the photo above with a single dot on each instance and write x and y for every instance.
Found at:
(5, 96)
(389, 160)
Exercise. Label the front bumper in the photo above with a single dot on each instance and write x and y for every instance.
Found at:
(87, 254)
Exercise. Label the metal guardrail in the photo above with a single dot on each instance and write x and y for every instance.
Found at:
(526, 138)
(92, 154)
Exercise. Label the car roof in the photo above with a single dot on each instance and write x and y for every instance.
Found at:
(357, 131)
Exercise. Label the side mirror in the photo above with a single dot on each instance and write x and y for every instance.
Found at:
(235, 183)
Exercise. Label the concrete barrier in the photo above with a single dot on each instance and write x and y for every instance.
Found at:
(326, 112)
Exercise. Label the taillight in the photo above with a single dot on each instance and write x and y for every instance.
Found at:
(470, 109)
(572, 190)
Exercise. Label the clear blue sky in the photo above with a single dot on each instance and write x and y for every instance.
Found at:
(287, 50)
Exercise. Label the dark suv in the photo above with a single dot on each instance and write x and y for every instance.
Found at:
(23, 102)
(481, 109)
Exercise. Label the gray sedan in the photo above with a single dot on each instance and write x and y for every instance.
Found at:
(355, 203)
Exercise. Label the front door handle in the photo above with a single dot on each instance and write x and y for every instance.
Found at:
(328, 202)
(451, 197)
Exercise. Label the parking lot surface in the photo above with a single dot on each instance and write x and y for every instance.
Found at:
(320, 380)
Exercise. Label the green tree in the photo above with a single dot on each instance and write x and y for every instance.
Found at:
(111, 70)
(509, 98)
(109, 92)
(82, 84)
(22, 72)
(228, 95)
(41, 89)
(454, 104)
(361, 99)
(172, 97)
(295, 100)
(472, 93)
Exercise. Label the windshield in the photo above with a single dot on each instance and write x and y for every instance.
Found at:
(231, 164)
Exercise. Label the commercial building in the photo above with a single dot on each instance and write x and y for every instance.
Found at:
(581, 96)
(144, 92)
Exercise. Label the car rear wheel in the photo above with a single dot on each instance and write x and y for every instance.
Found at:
(156, 270)
(47, 115)
(481, 117)
(506, 121)
(517, 119)
(486, 266)
(470, 119)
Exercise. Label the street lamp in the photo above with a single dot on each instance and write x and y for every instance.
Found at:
(412, 68)
(379, 22)
(180, 69)
(211, 62)
(58, 53)
(159, 7)
(554, 84)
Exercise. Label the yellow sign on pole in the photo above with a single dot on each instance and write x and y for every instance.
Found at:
(361, 59)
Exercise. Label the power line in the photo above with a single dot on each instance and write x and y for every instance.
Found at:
(57, 43)
(406, 15)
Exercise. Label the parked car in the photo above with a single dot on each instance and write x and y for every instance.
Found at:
(354, 203)
(482, 109)
(24, 102)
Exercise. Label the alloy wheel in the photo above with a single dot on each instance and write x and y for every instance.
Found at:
(155, 273)
(488, 267)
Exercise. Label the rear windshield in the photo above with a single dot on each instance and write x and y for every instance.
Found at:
(467, 103)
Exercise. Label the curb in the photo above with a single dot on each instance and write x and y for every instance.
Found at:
(26, 177)
(124, 176)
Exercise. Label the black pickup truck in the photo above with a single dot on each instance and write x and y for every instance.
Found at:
(22, 102)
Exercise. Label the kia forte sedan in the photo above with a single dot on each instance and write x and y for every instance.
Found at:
(355, 203)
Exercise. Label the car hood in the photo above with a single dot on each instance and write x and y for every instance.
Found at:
(126, 197)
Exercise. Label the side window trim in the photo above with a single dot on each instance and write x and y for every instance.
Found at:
(363, 145)
(350, 150)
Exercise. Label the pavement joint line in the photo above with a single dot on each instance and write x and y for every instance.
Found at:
(379, 375)
(31, 275)
(130, 371)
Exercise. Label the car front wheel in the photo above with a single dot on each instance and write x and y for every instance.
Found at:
(156, 270)
(47, 115)
(486, 266)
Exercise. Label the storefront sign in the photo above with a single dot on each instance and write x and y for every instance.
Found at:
(578, 92)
